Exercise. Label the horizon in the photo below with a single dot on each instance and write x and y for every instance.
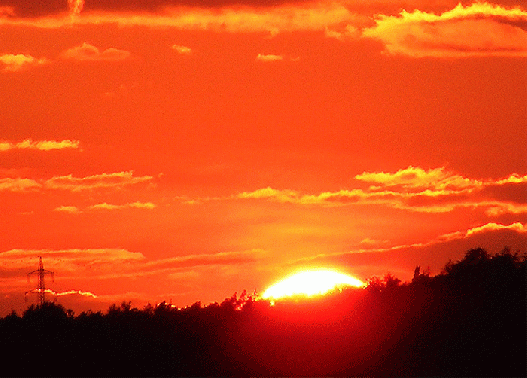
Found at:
(289, 292)
(442, 326)
(163, 151)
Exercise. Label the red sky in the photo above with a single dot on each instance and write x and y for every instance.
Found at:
(155, 150)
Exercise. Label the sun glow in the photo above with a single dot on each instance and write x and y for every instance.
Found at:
(310, 283)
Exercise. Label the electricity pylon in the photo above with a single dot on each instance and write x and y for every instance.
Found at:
(41, 288)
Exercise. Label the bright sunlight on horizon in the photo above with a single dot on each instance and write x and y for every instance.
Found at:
(310, 283)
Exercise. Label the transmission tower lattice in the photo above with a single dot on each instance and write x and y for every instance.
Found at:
(41, 288)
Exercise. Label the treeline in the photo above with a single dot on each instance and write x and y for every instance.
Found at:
(468, 321)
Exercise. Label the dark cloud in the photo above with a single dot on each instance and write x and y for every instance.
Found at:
(27, 8)
(480, 29)
(515, 192)
(35, 9)
(155, 5)
(361, 6)
(30, 8)
(401, 260)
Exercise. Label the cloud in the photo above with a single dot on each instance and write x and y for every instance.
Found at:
(497, 209)
(494, 30)
(43, 145)
(269, 57)
(219, 17)
(76, 292)
(340, 198)
(47, 145)
(107, 206)
(32, 9)
(20, 62)
(183, 50)
(275, 58)
(5, 146)
(90, 52)
(483, 229)
(116, 180)
(69, 292)
(142, 205)
(114, 263)
(413, 177)
(368, 241)
(101, 181)
(19, 185)
(137, 205)
(437, 190)
(480, 29)
(414, 189)
(518, 227)
(220, 258)
(411, 189)
(347, 32)
(269, 193)
(66, 260)
(67, 209)
(401, 259)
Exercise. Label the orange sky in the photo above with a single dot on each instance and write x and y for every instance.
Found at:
(155, 150)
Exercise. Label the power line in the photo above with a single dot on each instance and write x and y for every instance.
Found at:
(40, 290)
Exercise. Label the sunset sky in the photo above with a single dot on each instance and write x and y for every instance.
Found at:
(178, 150)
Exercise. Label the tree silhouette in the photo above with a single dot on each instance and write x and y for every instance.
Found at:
(467, 321)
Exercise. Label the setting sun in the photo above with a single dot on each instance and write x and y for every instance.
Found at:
(309, 283)
(263, 188)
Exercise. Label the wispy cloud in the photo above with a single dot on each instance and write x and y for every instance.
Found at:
(480, 29)
(116, 263)
(101, 181)
(43, 145)
(182, 50)
(269, 57)
(272, 194)
(85, 51)
(437, 251)
(106, 206)
(67, 209)
(349, 31)
(272, 19)
(70, 292)
(19, 185)
(137, 205)
(76, 292)
(115, 180)
(415, 177)
(66, 259)
(412, 189)
(20, 62)
(497, 208)
(176, 265)
(368, 241)
(518, 227)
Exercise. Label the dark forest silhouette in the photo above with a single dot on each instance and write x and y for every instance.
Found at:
(468, 321)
